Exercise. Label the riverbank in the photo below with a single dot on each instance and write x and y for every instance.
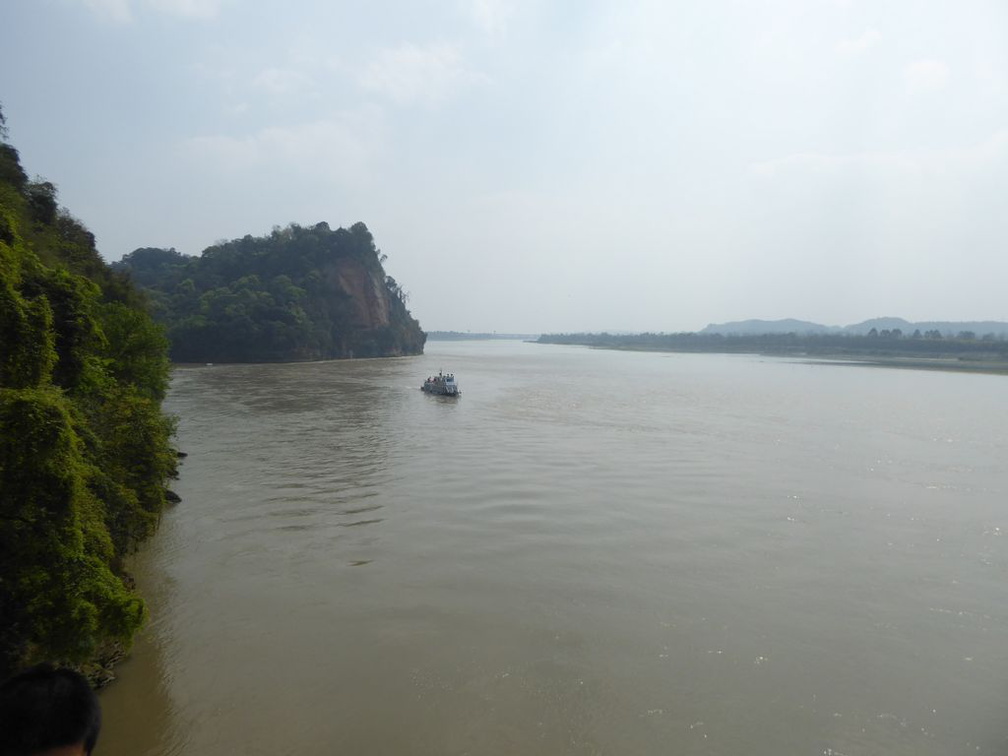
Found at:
(998, 367)
(956, 355)
(953, 364)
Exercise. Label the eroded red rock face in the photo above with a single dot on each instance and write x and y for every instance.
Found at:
(367, 291)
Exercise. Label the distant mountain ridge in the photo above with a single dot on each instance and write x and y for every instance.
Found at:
(790, 325)
(761, 327)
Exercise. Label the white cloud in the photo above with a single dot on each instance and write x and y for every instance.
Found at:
(282, 81)
(824, 164)
(121, 11)
(491, 16)
(199, 9)
(115, 10)
(410, 73)
(981, 155)
(340, 147)
(991, 77)
(925, 75)
(870, 38)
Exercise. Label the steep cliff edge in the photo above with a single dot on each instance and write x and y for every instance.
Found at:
(300, 293)
(85, 449)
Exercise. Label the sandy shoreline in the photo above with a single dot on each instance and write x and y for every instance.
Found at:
(913, 363)
(955, 364)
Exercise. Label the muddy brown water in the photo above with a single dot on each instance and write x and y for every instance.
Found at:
(590, 552)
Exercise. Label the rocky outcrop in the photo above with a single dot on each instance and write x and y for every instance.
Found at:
(298, 294)
(366, 290)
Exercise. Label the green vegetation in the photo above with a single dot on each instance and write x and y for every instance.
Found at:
(964, 350)
(470, 336)
(299, 293)
(84, 446)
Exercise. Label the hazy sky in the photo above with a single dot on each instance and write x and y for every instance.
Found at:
(547, 166)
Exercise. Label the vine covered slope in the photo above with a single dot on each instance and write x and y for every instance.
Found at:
(85, 449)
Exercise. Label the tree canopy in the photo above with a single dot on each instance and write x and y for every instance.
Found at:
(297, 293)
(85, 448)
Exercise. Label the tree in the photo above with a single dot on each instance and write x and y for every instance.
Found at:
(59, 595)
(85, 449)
(302, 292)
(136, 349)
(42, 201)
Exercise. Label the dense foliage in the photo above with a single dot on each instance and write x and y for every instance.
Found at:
(84, 446)
(299, 293)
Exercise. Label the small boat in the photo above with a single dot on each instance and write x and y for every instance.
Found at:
(441, 385)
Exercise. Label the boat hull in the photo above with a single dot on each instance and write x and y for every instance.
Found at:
(433, 391)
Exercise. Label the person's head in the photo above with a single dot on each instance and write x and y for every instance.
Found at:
(48, 712)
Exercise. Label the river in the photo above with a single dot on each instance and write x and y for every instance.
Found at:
(589, 552)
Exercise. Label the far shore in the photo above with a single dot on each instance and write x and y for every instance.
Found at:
(912, 363)
(947, 363)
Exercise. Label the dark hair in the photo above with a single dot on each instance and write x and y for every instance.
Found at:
(44, 707)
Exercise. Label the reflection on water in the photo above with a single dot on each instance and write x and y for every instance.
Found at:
(590, 552)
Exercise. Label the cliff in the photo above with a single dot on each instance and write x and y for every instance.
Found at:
(301, 293)
(85, 450)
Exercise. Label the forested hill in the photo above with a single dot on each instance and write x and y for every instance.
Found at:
(84, 447)
(300, 293)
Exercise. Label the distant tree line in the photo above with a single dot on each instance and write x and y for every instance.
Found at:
(886, 343)
(85, 449)
(298, 293)
(475, 336)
